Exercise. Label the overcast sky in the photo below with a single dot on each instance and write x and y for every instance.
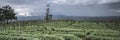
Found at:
(65, 7)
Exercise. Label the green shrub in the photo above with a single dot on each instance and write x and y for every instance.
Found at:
(50, 37)
(68, 36)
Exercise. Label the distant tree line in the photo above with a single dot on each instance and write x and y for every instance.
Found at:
(7, 14)
(111, 23)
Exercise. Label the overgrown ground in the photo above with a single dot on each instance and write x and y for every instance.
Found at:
(57, 31)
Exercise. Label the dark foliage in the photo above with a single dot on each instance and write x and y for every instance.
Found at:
(7, 13)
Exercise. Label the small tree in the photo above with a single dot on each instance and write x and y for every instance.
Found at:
(48, 16)
(7, 13)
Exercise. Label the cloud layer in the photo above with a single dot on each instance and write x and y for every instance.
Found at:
(82, 2)
(65, 7)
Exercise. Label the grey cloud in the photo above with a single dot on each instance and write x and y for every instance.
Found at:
(18, 1)
(115, 5)
(98, 8)
(90, 10)
(83, 2)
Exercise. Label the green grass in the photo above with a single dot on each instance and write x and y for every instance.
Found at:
(56, 31)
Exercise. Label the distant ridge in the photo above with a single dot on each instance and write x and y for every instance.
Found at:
(76, 18)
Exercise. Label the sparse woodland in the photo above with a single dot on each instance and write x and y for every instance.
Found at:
(55, 29)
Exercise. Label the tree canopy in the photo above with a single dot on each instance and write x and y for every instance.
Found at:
(7, 13)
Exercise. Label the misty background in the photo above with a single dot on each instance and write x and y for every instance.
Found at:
(62, 8)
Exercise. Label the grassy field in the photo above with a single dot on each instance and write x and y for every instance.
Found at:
(36, 30)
